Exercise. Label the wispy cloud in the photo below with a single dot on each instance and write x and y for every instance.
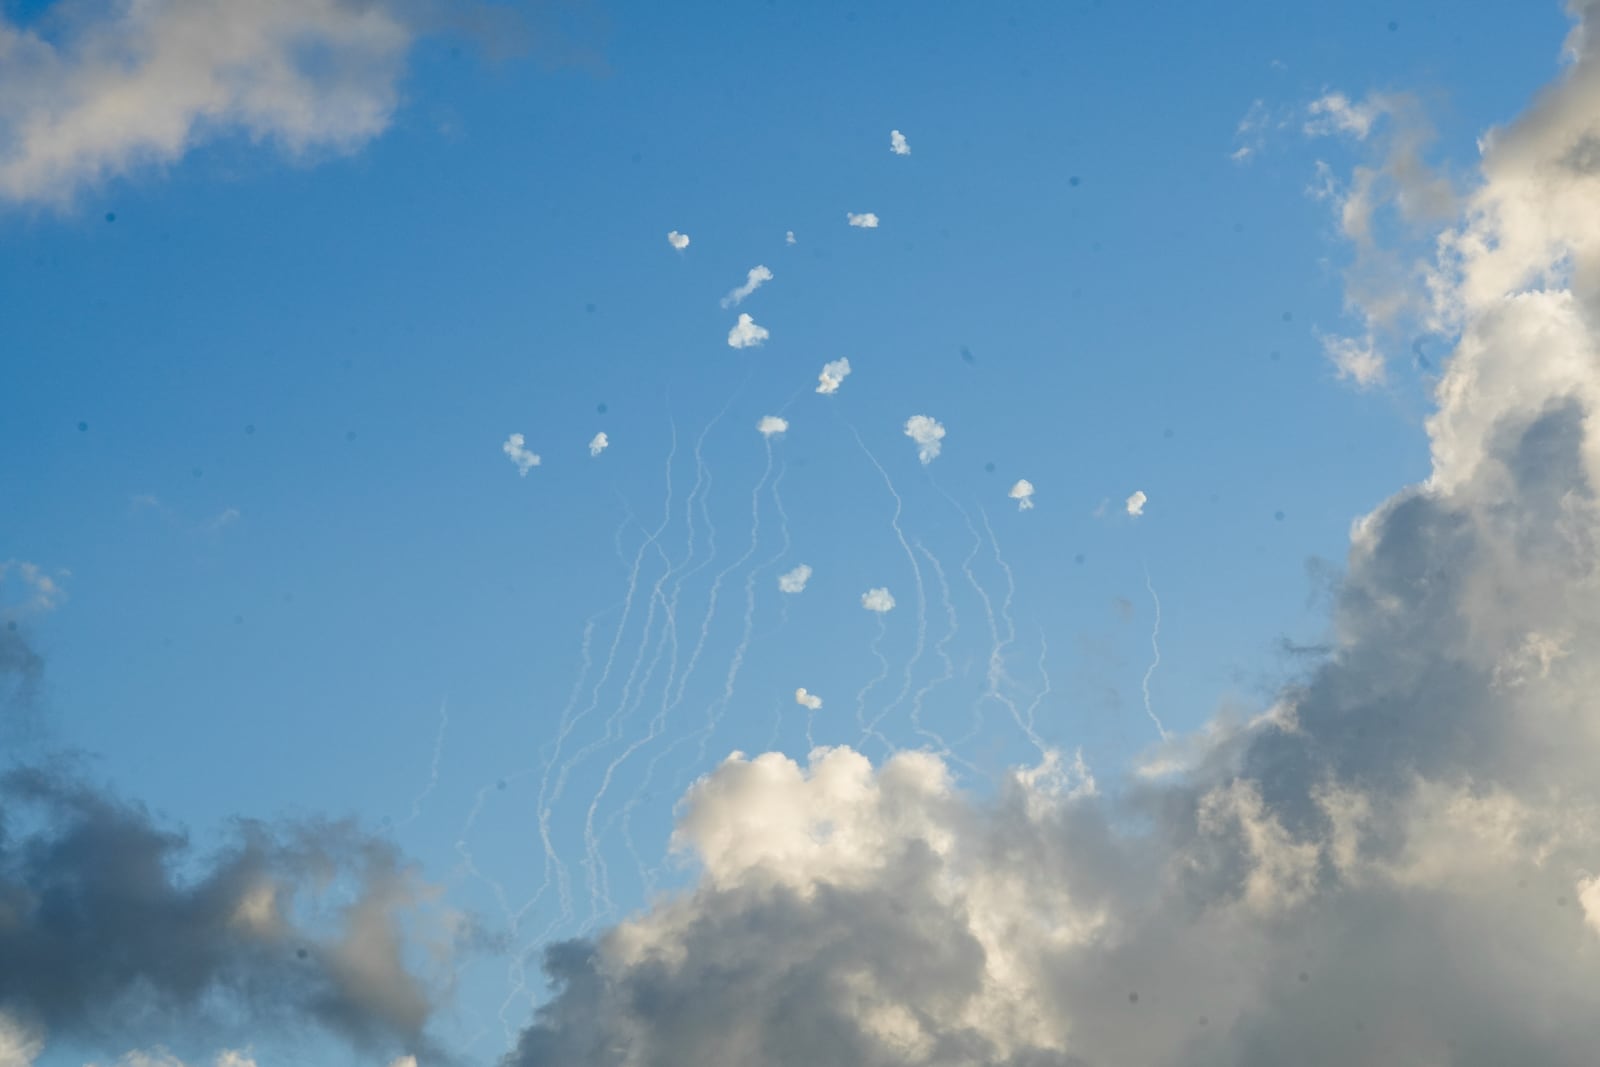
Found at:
(865, 221)
(35, 591)
(833, 375)
(1335, 113)
(795, 581)
(1356, 359)
(788, 237)
(746, 334)
(757, 277)
(928, 434)
(516, 450)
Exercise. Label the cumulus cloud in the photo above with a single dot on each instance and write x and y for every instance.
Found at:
(746, 334)
(772, 425)
(807, 699)
(599, 443)
(1395, 862)
(755, 279)
(102, 90)
(866, 220)
(878, 600)
(897, 143)
(677, 240)
(1136, 502)
(516, 450)
(795, 581)
(1022, 493)
(101, 935)
(833, 375)
(928, 434)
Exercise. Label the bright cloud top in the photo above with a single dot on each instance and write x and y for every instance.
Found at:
(516, 450)
(757, 277)
(1022, 493)
(898, 145)
(833, 375)
(599, 443)
(746, 333)
(928, 434)
(132, 85)
(801, 696)
(878, 600)
(795, 581)
(1136, 503)
(772, 425)
(677, 240)
(865, 221)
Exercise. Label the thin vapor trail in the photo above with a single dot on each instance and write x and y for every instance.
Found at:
(997, 673)
(941, 649)
(867, 728)
(1155, 646)
(433, 769)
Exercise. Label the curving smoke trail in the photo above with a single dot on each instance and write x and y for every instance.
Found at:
(1155, 647)
(433, 768)
(997, 672)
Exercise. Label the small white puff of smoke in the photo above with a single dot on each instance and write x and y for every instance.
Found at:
(897, 143)
(864, 221)
(677, 240)
(807, 699)
(746, 333)
(599, 443)
(515, 448)
(757, 276)
(878, 600)
(833, 375)
(1022, 493)
(772, 425)
(927, 433)
(795, 581)
(788, 237)
(1136, 503)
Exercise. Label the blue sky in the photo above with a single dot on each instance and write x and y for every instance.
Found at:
(254, 403)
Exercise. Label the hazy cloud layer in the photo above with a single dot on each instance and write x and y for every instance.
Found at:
(1395, 862)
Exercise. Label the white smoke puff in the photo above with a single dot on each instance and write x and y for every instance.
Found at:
(832, 376)
(898, 145)
(878, 600)
(772, 425)
(1136, 503)
(519, 454)
(746, 334)
(807, 700)
(1022, 493)
(788, 237)
(864, 221)
(795, 581)
(928, 434)
(755, 279)
(677, 240)
(599, 443)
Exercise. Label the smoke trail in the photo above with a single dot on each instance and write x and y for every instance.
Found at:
(997, 674)
(433, 770)
(1038, 698)
(941, 649)
(1155, 646)
(922, 596)
(867, 728)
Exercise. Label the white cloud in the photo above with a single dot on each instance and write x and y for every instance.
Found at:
(746, 334)
(677, 240)
(928, 434)
(897, 143)
(795, 581)
(20, 1042)
(865, 221)
(114, 88)
(1335, 113)
(32, 590)
(801, 697)
(772, 425)
(1355, 358)
(1136, 503)
(788, 237)
(879, 600)
(1022, 493)
(833, 375)
(404, 1061)
(599, 443)
(757, 277)
(515, 450)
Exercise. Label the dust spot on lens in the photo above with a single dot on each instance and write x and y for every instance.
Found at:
(589, 308)
(601, 408)
(111, 216)
(989, 467)
(83, 427)
(197, 472)
(1393, 25)
(1133, 998)
(1074, 181)
(1278, 515)
(1078, 558)
(349, 435)
(302, 953)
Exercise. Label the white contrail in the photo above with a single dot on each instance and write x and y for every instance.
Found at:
(983, 595)
(1038, 698)
(997, 673)
(1155, 646)
(868, 729)
(916, 571)
(433, 770)
(941, 649)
